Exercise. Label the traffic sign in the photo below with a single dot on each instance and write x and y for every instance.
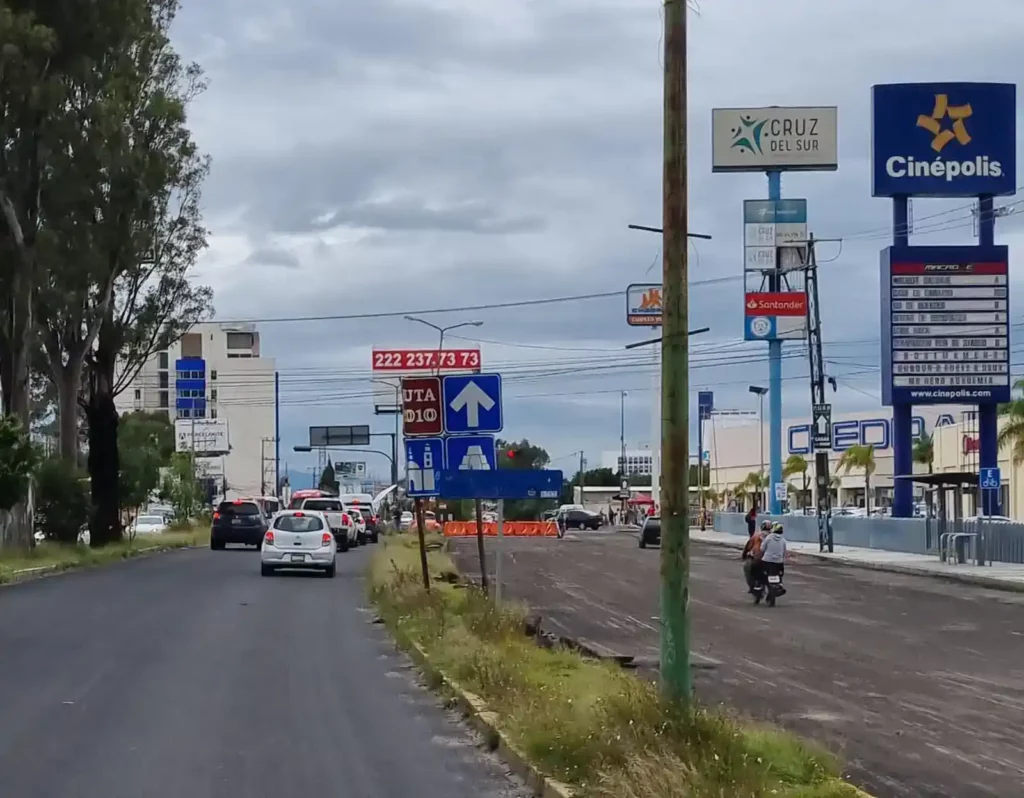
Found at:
(506, 483)
(781, 491)
(472, 403)
(821, 427)
(471, 453)
(990, 479)
(421, 406)
(424, 462)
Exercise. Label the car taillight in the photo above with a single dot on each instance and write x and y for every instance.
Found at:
(325, 541)
(345, 519)
(373, 518)
(216, 516)
(269, 538)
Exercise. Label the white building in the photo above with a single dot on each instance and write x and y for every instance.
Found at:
(215, 372)
(639, 462)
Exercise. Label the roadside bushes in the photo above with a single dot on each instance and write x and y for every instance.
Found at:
(62, 500)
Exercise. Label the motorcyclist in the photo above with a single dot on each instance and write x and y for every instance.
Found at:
(751, 554)
(773, 553)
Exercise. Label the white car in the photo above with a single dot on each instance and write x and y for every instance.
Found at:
(149, 525)
(358, 522)
(406, 521)
(339, 520)
(299, 539)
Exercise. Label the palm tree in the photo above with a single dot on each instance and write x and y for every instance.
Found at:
(924, 451)
(796, 464)
(1012, 433)
(757, 481)
(740, 493)
(862, 458)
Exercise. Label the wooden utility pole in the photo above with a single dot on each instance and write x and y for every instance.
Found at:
(675, 398)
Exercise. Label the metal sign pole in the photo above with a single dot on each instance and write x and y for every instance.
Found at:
(497, 551)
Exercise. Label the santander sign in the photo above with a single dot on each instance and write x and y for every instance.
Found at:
(786, 303)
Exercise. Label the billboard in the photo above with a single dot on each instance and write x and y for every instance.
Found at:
(945, 325)
(643, 305)
(761, 139)
(391, 366)
(774, 233)
(943, 139)
(775, 316)
(201, 435)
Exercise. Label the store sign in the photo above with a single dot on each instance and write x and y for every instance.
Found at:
(643, 305)
(875, 432)
(759, 139)
(774, 316)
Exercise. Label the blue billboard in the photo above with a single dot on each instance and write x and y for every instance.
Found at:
(945, 325)
(943, 139)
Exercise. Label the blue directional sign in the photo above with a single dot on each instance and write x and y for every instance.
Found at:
(471, 453)
(990, 479)
(472, 403)
(507, 483)
(424, 464)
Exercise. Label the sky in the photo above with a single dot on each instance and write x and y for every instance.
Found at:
(405, 156)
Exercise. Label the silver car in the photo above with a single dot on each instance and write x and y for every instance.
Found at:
(301, 540)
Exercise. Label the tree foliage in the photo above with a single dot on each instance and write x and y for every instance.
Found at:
(62, 499)
(181, 488)
(524, 456)
(146, 445)
(18, 461)
(328, 480)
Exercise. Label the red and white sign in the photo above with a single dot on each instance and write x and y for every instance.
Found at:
(426, 359)
(421, 406)
(786, 303)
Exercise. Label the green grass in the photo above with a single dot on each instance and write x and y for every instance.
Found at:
(57, 557)
(590, 724)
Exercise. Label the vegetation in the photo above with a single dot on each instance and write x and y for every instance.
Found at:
(328, 479)
(523, 455)
(1011, 432)
(797, 464)
(100, 182)
(860, 458)
(18, 460)
(589, 724)
(924, 451)
(62, 500)
(181, 487)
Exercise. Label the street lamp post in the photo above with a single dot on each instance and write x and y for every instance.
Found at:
(756, 389)
(622, 432)
(441, 331)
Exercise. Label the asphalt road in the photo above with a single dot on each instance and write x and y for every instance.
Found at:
(188, 674)
(918, 683)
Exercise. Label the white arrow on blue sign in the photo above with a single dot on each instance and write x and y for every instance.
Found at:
(990, 479)
(472, 403)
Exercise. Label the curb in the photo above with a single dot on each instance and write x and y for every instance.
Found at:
(486, 723)
(993, 583)
(43, 571)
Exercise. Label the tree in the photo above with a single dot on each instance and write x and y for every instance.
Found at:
(756, 482)
(796, 464)
(924, 451)
(1012, 427)
(861, 458)
(145, 444)
(523, 455)
(181, 487)
(18, 461)
(328, 481)
(62, 499)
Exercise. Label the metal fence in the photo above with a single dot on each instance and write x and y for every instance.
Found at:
(992, 542)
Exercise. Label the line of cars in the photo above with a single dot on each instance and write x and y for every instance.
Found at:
(286, 537)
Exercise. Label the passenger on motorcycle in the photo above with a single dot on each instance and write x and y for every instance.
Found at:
(773, 553)
(751, 555)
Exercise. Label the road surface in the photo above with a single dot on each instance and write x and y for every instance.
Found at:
(188, 674)
(918, 683)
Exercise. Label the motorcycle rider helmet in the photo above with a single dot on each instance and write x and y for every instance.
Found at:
(777, 528)
(766, 526)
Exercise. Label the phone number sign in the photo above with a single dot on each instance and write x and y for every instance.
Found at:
(425, 359)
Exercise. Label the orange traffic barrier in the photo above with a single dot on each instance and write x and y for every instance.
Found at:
(520, 529)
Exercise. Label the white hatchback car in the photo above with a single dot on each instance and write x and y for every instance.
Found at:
(358, 522)
(299, 539)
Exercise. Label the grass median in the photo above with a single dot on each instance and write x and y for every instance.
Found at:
(587, 723)
(64, 557)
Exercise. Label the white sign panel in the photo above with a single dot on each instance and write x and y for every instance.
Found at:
(201, 435)
(759, 139)
(210, 466)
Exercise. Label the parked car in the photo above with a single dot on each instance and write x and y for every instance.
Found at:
(339, 520)
(650, 532)
(299, 539)
(580, 519)
(149, 525)
(240, 521)
(406, 521)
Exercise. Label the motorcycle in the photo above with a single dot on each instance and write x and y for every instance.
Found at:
(769, 588)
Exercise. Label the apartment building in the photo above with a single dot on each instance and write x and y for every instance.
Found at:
(215, 378)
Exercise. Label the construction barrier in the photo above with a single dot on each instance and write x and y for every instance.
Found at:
(520, 529)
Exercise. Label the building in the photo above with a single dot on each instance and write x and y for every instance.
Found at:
(956, 449)
(735, 451)
(639, 462)
(214, 378)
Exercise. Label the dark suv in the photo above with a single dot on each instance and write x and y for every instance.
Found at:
(240, 521)
(650, 532)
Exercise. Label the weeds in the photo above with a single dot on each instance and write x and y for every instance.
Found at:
(590, 724)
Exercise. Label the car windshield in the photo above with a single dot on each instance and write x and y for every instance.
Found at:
(323, 505)
(240, 508)
(298, 523)
(151, 520)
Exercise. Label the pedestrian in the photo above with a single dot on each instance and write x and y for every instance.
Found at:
(751, 520)
(611, 515)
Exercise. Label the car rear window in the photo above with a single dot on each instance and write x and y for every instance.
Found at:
(363, 511)
(323, 505)
(242, 508)
(298, 523)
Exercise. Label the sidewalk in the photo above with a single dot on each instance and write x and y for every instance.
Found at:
(999, 576)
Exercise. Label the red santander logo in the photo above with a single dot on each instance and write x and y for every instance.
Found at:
(786, 303)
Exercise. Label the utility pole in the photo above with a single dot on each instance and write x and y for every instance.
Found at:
(821, 475)
(583, 464)
(675, 343)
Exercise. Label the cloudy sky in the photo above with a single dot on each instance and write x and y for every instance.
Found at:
(406, 156)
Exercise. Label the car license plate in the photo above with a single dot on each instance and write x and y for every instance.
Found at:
(298, 557)
(236, 521)
(774, 580)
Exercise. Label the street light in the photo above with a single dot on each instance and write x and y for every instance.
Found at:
(756, 389)
(622, 432)
(442, 331)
